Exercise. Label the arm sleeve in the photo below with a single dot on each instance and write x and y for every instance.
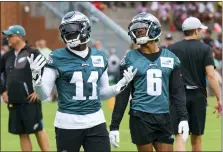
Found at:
(208, 58)
(48, 81)
(106, 91)
(177, 94)
(121, 103)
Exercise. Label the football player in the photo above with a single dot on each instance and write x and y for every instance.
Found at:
(157, 81)
(80, 75)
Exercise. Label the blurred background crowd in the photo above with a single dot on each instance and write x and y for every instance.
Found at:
(109, 25)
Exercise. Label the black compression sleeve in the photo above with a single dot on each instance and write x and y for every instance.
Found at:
(177, 94)
(121, 103)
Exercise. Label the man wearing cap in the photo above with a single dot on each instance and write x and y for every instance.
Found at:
(25, 113)
(168, 40)
(197, 63)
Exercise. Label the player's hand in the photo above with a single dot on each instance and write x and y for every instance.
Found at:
(32, 97)
(184, 127)
(218, 108)
(36, 66)
(114, 138)
(5, 97)
(129, 74)
(127, 77)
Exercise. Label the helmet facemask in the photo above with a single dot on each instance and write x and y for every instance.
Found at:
(153, 31)
(75, 33)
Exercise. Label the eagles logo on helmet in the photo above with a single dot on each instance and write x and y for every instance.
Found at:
(148, 21)
(75, 29)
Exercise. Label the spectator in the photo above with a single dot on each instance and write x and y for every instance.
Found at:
(217, 47)
(98, 45)
(206, 10)
(44, 50)
(165, 15)
(25, 113)
(37, 45)
(207, 39)
(154, 6)
(143, 8)
(5, 47)
(192, 9)
(101, 6)
(113, 66)
(168, 40)
(179, 14)
(118, 4)
(218, 14)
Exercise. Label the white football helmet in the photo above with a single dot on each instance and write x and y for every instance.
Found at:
(148, 21)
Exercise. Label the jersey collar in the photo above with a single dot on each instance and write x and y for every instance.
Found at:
(85, 59)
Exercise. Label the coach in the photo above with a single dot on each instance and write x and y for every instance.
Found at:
(197, 64)
(25, 113)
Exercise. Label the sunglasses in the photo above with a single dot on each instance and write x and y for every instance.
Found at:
(9, 36)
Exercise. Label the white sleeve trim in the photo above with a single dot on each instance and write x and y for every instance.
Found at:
(48, 81)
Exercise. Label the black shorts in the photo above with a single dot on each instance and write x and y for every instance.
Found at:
(196, 107)
(93, 139)
(25, 118)
(146, 128)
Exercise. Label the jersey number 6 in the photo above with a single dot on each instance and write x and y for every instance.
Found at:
(154, 82)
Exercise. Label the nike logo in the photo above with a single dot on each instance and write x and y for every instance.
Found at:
(153, 64)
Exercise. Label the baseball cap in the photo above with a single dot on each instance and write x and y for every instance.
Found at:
(15, 30)
(169, 36)
(192, 23)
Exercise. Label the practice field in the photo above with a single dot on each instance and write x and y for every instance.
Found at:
(211, 139)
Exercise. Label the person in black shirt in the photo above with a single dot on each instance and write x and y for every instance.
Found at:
(207, 39)
(25, 113)
(168, 40)
(196, 64)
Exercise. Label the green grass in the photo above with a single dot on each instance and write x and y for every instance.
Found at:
(9, 142)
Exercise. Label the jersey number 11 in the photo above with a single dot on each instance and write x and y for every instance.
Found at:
(78, 79)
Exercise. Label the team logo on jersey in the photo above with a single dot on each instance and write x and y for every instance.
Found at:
(22, 60)
(97, 61)
(166, 62)
(35, 126)
(153, 64)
